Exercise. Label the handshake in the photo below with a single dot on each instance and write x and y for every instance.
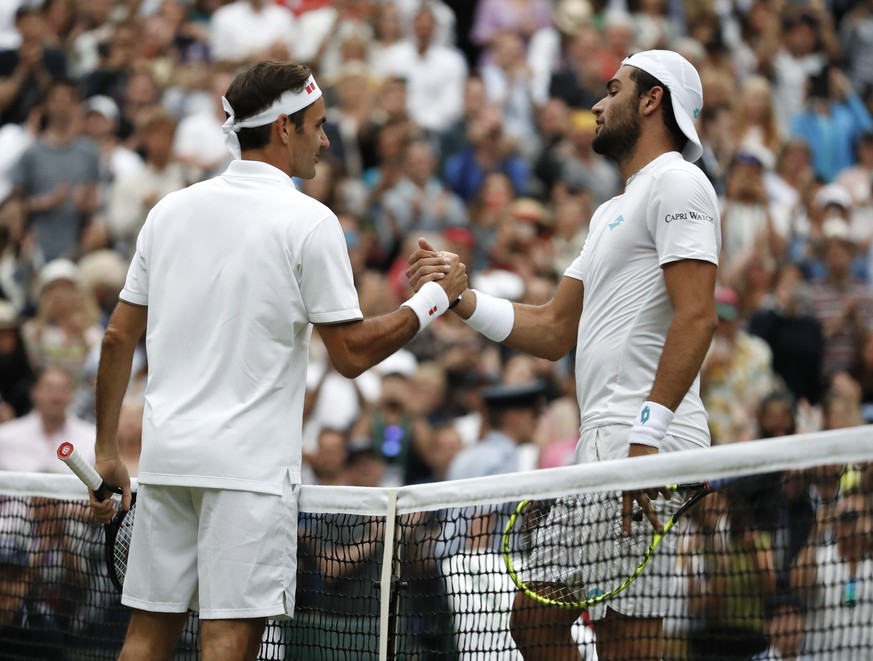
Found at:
(440, 283)
(438, 279)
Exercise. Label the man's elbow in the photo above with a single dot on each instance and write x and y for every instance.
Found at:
(350, 370)
(116, 341)
(349, 364)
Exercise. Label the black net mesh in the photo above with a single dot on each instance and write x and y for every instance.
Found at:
(780, 565)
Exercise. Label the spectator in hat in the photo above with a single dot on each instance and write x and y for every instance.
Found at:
(512, 415)
(751, 223)
(833, 210)
(856, 178)
(392, 426)
(16, 374)
(67, 322)
(101, 276)
(30, 443)
(736, 374)
(101, 124)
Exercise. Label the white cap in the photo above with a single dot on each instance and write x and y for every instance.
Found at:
(401, 362)
(499, 283)
(686, 91)
(833, 194)
(103, 105)
(58, 269)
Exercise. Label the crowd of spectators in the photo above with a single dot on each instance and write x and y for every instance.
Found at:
(469, 123)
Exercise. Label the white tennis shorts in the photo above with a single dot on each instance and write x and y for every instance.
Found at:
(225, 554)
(651, 593)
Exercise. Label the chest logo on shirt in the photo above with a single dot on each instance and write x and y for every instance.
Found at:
(688, 215)
(615, 223)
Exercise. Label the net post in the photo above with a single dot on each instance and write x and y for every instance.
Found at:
(386, 583)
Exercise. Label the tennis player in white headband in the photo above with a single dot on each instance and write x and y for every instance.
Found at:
(229, 277)
(289, 103)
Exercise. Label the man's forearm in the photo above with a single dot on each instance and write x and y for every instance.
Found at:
(687, 342)
(113, 376)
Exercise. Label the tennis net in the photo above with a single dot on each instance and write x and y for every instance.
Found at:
(785, 559)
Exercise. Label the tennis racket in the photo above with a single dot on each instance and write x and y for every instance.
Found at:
(570, 552)
(118, 531)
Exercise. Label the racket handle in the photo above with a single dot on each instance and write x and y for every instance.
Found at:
(90, 478)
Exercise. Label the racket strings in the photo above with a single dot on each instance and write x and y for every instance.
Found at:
(573, 549)
(121, 546)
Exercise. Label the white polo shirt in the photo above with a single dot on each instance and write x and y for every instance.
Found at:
(668, 212)
(234, 271)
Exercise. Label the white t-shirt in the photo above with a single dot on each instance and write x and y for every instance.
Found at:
(234, 271)
(668, 212)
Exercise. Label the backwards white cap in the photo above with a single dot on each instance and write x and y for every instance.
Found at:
(686, 91)
(287, 104)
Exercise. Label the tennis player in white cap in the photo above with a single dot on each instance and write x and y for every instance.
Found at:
(229, 277)
(638, 305)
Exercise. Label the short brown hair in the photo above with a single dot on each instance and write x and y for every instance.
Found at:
(255, 90)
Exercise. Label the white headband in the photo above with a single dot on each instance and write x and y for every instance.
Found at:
(287, 104)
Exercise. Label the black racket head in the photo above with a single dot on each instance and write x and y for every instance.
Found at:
(117, 549)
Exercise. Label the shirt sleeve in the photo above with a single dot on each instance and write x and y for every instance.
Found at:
(136, 286)
(576, 268)
(326, 281)
(684, 218)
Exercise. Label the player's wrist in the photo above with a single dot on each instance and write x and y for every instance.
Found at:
(428, 303)
(650, 426)
(492, 317)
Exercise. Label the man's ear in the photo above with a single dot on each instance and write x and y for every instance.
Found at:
(284, 127)
(652, 100)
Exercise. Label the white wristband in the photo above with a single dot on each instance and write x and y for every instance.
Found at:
(428, 303)
(651, 425)
(493, 317)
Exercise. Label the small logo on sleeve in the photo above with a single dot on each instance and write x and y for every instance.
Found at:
(615, 223)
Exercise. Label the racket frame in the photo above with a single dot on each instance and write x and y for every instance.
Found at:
(91, 478)
(696, 490)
